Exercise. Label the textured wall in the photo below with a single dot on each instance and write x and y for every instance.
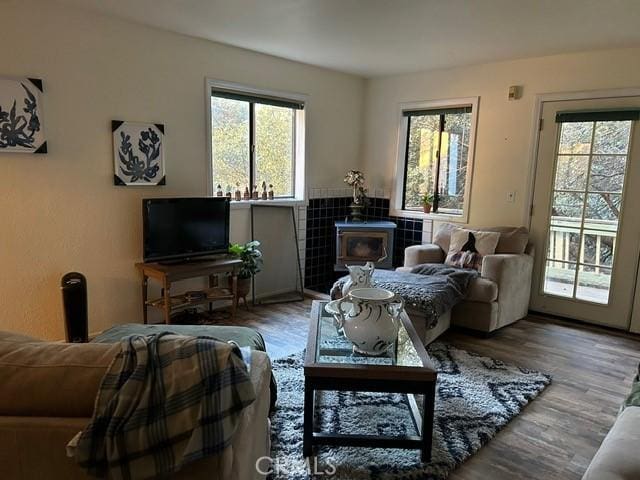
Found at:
(60, 212)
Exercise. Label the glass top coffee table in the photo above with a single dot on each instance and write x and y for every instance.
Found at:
(331, 363)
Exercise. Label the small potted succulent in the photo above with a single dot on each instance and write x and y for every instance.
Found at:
(427, 202)
(251, 264)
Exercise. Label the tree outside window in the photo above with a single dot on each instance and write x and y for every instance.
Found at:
(253, 142)
(437, 153)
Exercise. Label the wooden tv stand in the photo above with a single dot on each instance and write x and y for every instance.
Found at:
(168, 273)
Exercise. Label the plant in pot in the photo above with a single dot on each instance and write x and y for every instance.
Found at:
(251, 258)
(427, 202)
(355, 179)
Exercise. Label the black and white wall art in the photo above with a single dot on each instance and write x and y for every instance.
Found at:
(138, 153)
(21, 128)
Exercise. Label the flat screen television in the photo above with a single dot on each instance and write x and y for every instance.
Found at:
(183, 228)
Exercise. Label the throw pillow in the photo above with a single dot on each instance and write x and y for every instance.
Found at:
(468, 248)
(513, 240)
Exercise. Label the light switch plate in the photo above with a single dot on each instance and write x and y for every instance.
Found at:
(511, 197)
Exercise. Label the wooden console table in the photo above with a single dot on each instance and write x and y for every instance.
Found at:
(167, 274)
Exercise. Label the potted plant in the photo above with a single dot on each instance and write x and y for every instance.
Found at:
(251, 264)
(355, 179)
(427, 202)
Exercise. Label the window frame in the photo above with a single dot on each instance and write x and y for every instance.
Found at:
(299, 138)
(397, 199)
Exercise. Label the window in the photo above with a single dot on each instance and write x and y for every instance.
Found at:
(254, 139)
(436, 157)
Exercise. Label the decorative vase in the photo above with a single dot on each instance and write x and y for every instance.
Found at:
(243, 289)
(359, 277)
(357, 212)
(369, 318)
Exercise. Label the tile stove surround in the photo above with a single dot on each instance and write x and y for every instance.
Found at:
(320, 251)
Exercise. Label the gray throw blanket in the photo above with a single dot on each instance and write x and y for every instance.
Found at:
(432, 288)
(166, 400)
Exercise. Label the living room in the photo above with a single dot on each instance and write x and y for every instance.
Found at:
(552, 307)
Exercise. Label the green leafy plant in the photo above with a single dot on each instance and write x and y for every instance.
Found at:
(251, 258)
(427, 199)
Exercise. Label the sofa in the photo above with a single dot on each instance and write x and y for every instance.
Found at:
(47, 394)
(618, 458)
(500, 295)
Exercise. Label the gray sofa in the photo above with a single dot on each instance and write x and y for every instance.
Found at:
(500, 296)
(618, 458)
(619, 455)
(47, 395)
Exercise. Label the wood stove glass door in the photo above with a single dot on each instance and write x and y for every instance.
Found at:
(362, 246)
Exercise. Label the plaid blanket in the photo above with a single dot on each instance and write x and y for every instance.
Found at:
(165, 401)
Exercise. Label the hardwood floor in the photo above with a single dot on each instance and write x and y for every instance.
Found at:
(559, 432)
(284, 326)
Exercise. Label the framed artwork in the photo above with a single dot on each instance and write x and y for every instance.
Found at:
(21, 128)
(138, 153)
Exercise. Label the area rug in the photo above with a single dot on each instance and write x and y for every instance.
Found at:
(475, 397)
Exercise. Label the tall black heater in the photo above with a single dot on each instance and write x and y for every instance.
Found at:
(74, 299)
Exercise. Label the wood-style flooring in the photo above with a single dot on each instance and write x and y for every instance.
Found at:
(559, 432)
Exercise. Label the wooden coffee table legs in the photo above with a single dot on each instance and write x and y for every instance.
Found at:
(422, 441)
(427, 422)
(309, 407)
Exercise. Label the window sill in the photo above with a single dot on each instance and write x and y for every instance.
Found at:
(282, 202)
(438, 217)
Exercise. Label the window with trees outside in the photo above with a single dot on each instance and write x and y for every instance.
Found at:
(253, 140)
(437, 158)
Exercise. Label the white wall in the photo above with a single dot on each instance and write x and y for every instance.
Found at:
(504, 127)
(60, 212)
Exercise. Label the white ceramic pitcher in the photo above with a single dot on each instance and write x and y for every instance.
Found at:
(369, 317)
(359, 277)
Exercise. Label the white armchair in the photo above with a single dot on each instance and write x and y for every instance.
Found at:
(500, 295)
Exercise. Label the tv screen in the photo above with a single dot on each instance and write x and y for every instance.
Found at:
(179, 228)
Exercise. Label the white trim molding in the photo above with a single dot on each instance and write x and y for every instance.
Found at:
(396, 196)
(300, 140)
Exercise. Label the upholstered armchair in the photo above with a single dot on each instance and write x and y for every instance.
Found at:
(500, 296)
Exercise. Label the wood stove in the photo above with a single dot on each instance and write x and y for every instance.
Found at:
(358, 243)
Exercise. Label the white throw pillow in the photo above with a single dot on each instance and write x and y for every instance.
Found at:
(468, 248)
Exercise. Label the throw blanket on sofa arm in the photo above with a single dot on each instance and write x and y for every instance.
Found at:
(432, 288)
(165, 401)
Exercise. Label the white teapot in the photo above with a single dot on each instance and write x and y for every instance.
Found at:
(359, 277)
(369, 317)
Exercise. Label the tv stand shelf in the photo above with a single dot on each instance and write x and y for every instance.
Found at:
(181, 301)
(167, 274)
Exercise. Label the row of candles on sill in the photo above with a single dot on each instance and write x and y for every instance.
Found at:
(238, 195)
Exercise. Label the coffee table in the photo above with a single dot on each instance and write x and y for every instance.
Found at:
(332, 364)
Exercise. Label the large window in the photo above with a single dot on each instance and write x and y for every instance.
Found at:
(253, 140)
(437, 152)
